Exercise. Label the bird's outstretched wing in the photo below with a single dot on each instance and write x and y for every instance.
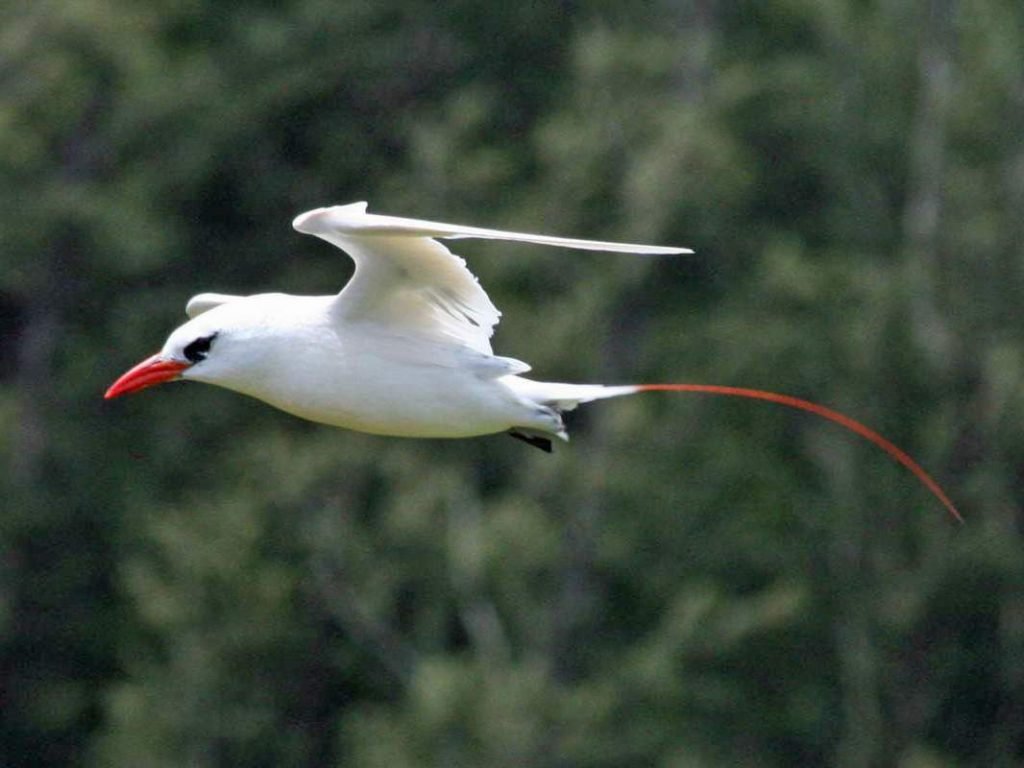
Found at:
(407, 282)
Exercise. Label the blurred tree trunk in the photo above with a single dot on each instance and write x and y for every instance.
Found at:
(49, 540)
(865, 564)
(1008, 519)
(695, 23)
(927, 154)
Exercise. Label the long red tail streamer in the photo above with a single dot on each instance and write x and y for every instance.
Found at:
(826, 413)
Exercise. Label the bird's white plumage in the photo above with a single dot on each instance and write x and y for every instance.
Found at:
(404, 349)
(204, 302)
(411, 284)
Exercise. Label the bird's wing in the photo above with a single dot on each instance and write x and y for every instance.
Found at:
(207, 301)
(409, 283)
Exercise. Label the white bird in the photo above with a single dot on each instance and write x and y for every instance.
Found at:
(404, 349)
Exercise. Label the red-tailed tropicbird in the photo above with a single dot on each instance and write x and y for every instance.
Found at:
(404, 349)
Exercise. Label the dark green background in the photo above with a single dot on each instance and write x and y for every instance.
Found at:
(188, 577)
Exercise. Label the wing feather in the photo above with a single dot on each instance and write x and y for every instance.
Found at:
(408, 282)
(416, 287)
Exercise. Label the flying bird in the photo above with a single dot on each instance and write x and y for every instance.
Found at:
(404, 349)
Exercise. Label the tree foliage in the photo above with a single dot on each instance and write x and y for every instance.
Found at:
(190, 578)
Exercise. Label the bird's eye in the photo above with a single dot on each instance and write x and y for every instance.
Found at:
(198, 349)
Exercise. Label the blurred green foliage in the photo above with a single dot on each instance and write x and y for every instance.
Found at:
(190, 578)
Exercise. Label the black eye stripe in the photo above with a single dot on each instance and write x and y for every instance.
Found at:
(198, 349)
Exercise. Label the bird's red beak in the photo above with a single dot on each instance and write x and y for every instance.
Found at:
(151, 371)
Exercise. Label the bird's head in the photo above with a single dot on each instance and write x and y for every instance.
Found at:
(217, 345)
(186, 352)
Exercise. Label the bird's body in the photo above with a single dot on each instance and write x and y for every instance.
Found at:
(404, 349)
(366, 378)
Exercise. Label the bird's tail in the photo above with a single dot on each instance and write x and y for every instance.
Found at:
(565, 397)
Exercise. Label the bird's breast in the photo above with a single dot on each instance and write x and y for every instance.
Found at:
(385, 386)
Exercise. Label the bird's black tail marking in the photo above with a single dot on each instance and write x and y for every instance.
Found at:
(544, 443)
